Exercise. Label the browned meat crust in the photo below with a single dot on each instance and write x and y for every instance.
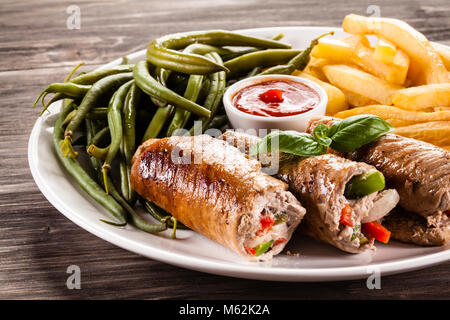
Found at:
(419, 171)
(213, 188)
(412, 228)
(319, 182)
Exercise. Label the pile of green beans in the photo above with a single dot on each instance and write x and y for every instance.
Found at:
(181, 81)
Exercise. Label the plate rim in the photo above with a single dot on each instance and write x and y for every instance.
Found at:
(219, 267)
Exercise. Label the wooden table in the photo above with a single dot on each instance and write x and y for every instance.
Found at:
(37, 243)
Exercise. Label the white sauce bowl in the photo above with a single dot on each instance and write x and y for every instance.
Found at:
(248, 122)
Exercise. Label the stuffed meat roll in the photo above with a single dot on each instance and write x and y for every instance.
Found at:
(214, 189)
(320, 183)
(420, 172)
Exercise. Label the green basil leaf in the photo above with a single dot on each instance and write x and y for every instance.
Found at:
(356, 131)
(292, 142)
(320, 133)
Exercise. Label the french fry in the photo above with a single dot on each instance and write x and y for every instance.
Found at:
(333, 49)
(395, 72)
(396, 116)
(384, 51)
(336, 98)
(412, 42)
(315, 66)
(443, 52)
(354, 50)
(437, 132)
(363, 83)
(423, 97)
(357, 100)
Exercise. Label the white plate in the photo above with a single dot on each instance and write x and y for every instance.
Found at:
(317, 262)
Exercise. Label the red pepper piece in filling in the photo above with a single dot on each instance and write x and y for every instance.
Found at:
(266, 224)
(250, 250)
(279, 240)
(346, 216)
(272, 96)
(376, 230)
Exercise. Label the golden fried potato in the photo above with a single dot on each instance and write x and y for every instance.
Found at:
(395, 72)
(385, 51)
(354, 50)
(336, 98)
(423, 97)
(437, 132)
(412, 42)
(396, 116)
(443, 52)
(363, 83)
(333, 49)
(357, 100)
(315, 66)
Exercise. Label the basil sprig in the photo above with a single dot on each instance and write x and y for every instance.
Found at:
(346, 135)
(354, 132)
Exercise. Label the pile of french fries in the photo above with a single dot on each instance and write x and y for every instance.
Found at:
(403, 78)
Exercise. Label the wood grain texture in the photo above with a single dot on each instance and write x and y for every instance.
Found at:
(37, 243)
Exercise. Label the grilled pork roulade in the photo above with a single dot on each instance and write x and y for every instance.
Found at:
(319, 182)
(214, 189)
(420, 172)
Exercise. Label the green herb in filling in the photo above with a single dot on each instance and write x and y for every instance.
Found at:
(263, 247)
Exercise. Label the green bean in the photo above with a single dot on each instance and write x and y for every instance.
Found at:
(263, 58)
(129, 120)
(66, 89)
(193, 87)
(69, 89)
(254, 72)
(124, 179)
(97, 152)
(97, 113)
(128, 145)
(181, 116)
(73, 71)
(217, 122)
(202, 49)
(214, 97)
(153, 88)
(278, 37)
(99, 89)
(80, 176)
(115, 127)
(139, 222)
(236, 54)
(94, 76)
(299, 62)
(162, 52)
(69, 117)
(84, 79)
(159, 214)
(161, 76)
(157, 122)
(99, 136)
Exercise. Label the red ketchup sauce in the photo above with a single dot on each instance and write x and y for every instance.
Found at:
(276, 98)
